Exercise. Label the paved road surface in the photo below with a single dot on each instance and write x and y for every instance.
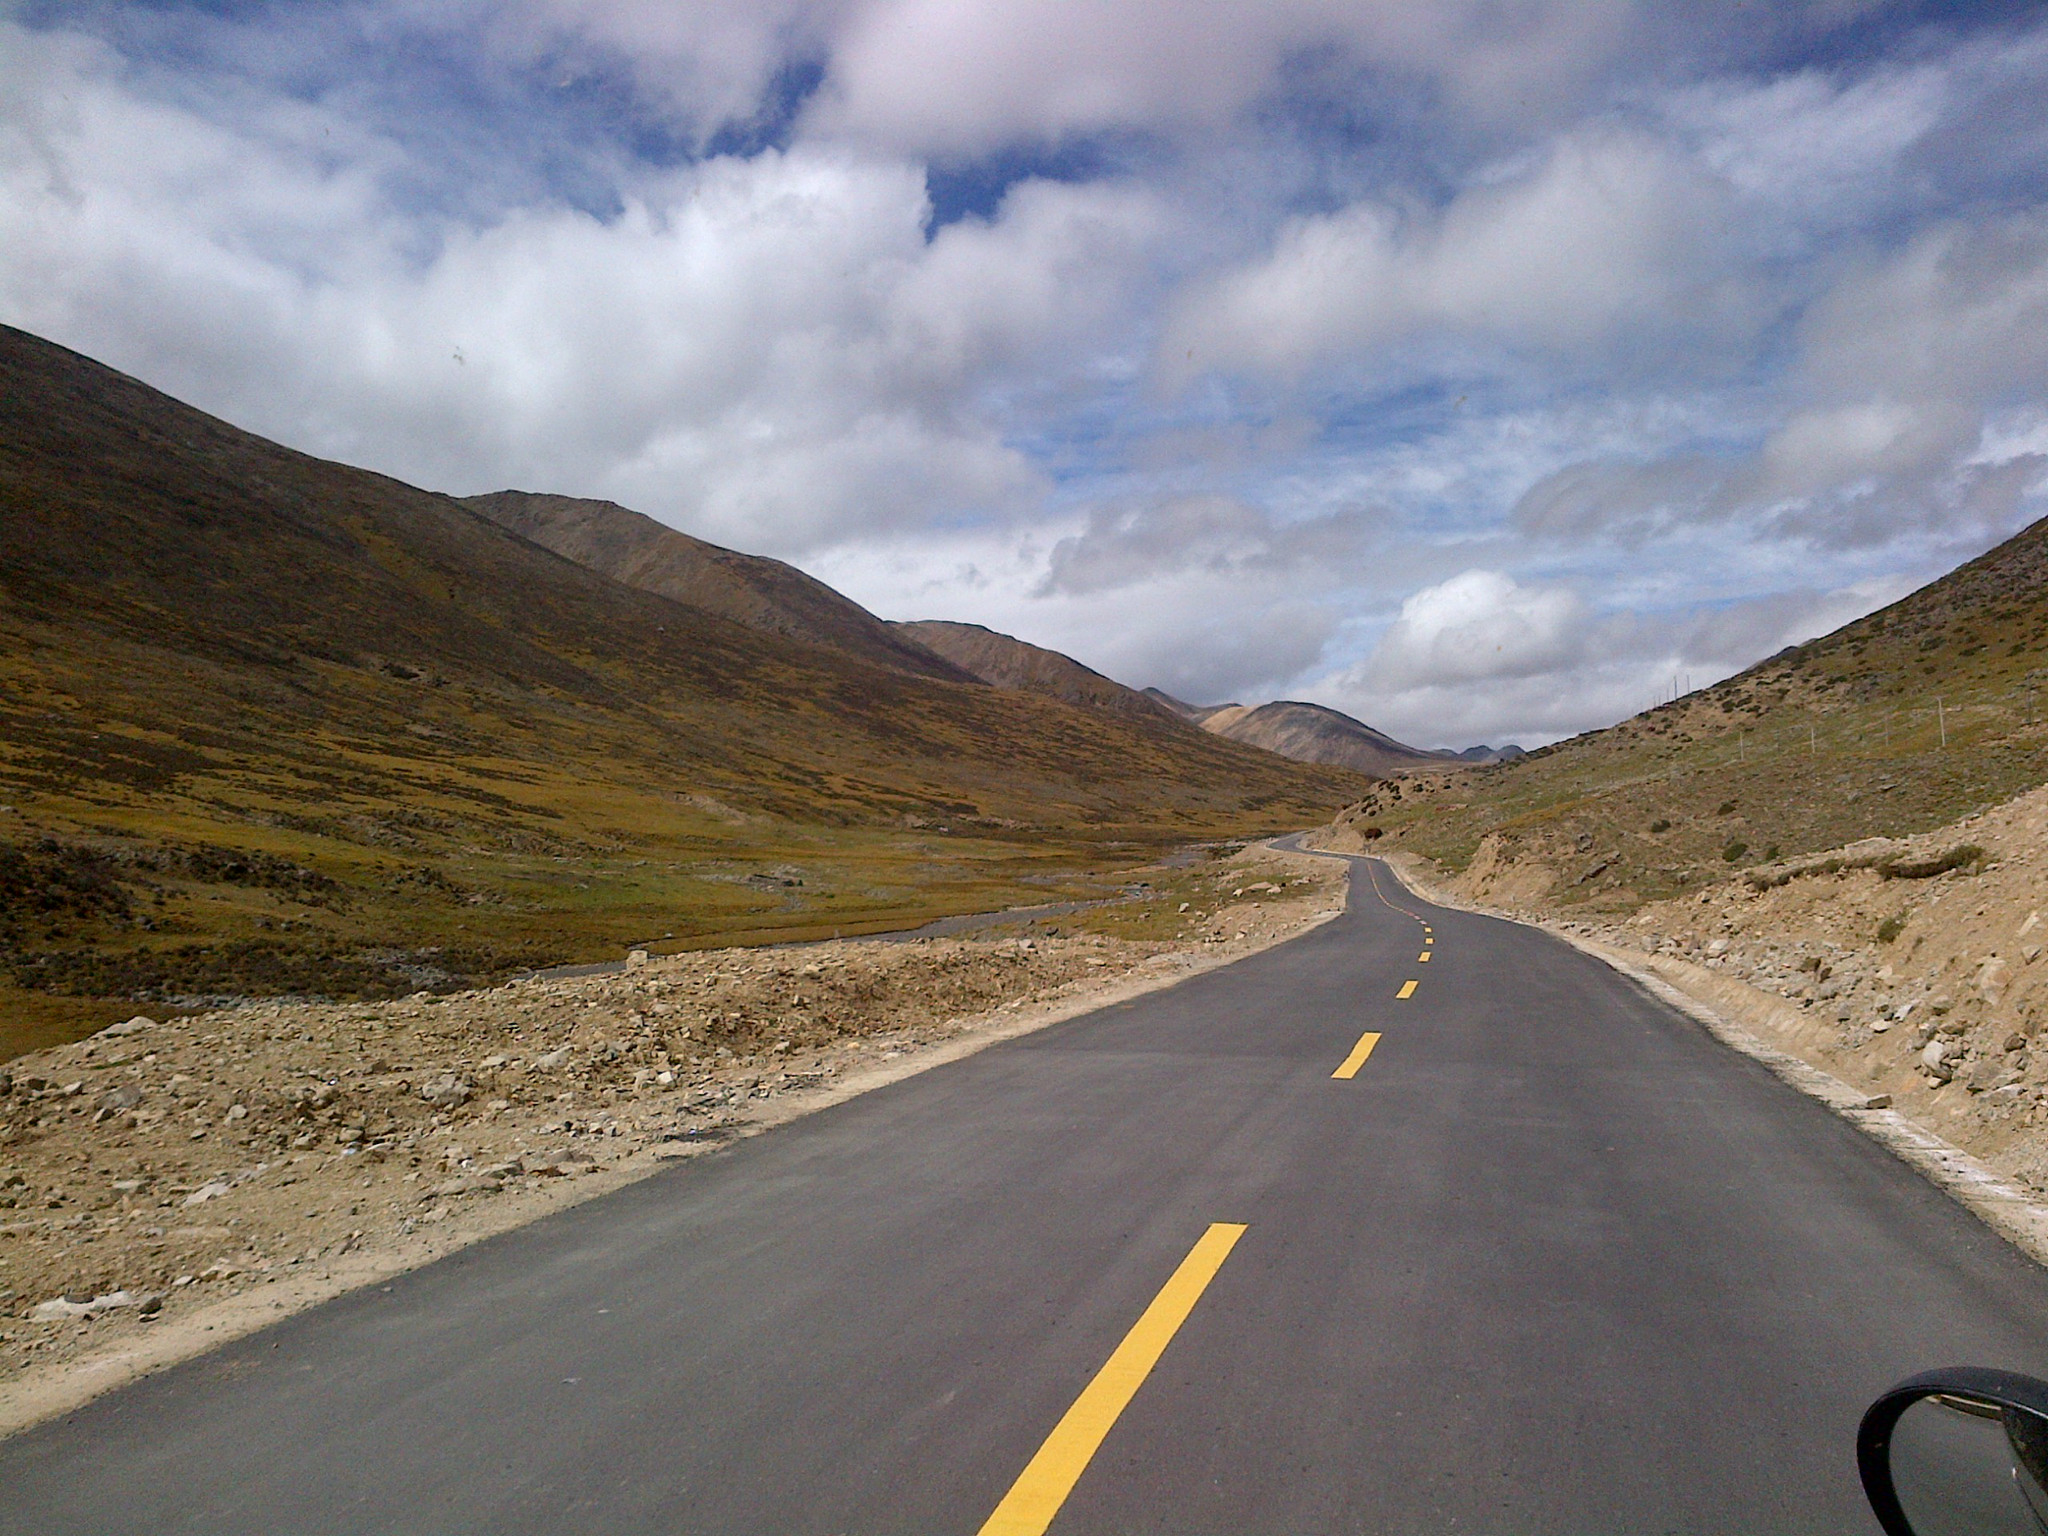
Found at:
(1551, 1261)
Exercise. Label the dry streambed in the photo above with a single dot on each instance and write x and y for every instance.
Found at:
(168, 1184)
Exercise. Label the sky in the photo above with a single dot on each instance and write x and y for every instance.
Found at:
(1483, 368)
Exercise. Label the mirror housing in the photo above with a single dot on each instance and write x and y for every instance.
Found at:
(1968, 1388)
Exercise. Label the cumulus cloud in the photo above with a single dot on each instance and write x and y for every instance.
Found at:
(768, 349)
(1479, 625)
(1483, 657)
(1482, 363)
(1608, 241)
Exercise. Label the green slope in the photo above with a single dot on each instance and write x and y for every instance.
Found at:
(1899, 722)
(272, 723)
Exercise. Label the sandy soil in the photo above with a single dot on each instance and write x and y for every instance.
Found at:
(166, 1186)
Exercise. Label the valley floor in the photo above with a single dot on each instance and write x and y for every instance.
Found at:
(167, 1186)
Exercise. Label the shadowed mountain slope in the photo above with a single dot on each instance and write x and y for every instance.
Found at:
(269, 723)
(1900, 722)
(1006, 662)
(752, 590)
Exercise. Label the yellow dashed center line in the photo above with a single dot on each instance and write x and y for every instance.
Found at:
(1407, 990)
(1358, 1054)
(1042, 1487)
(1423, 958)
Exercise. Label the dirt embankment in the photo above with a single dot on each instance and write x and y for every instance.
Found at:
(1910, 968)
(167, 1185)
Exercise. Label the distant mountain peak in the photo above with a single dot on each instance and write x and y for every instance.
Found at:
(1003, 661)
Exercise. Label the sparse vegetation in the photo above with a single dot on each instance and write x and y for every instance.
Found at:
(468, 758)
(1734, 851)
(1890, 929)
(1832, 744)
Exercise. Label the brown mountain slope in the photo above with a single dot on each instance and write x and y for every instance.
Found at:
(1901, 722)
(272, 724)
(1006, 662)
(751, 590)
(1311, 733)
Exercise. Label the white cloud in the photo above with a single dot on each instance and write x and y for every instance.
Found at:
(768, 350)
(1476, 626)
(1812, 144)
(1483, 657)
(949, 78)
(1539, 316)
(1607, 244)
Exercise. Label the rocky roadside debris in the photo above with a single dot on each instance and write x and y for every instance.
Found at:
(287, 1150)
(1912, 968)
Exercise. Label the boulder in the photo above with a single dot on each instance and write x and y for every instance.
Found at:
(446, 1091)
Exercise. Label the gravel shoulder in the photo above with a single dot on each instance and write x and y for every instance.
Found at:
(1900, 980)
(168, 1186)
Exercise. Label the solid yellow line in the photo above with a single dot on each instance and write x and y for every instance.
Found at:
(1423, 958)
(1042, 1487)
(1358, 1054)
(1407, 989)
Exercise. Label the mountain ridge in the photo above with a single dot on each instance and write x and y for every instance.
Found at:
(752, 590)
(1315, 733)
(270, 723)
(1907, 719)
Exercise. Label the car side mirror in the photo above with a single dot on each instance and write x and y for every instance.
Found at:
(1958, 1450)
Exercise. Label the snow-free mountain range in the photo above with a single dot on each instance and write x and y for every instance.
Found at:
(767, 594)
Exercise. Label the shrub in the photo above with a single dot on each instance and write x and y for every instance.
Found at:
(1890, 929)
(1725, 808)
(1659, 825)
(1734, 852)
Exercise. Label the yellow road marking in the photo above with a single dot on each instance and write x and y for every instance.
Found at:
(1042, 1487)
(1423, 958)
(1407, 990)
(1428, 941)
(1358, 1054)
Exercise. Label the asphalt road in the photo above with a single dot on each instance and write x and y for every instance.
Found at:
(1553, 1260)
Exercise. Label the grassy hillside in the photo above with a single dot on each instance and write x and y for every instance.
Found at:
(1897, 723)
(271, 724)
(1004, 661)
(751, 590)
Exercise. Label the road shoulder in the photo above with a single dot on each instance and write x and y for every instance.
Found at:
(525, 1154)
(1723, 1007)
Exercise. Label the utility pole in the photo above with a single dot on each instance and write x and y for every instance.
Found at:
(1812, 740)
